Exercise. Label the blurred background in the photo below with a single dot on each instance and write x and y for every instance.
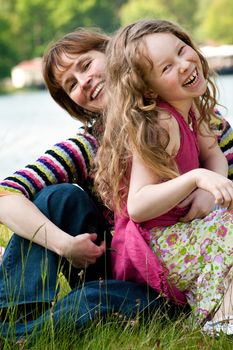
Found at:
(30, 120)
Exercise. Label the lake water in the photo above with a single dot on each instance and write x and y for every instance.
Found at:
(31, 122)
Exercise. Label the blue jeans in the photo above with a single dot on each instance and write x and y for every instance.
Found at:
(28, 273)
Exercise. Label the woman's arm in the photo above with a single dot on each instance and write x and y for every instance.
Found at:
(211, 156)
(225, 140)
(23, 217)
(67, 161)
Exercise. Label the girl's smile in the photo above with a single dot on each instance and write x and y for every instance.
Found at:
(82, 78)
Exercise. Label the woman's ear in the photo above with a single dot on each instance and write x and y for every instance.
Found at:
(150, 94)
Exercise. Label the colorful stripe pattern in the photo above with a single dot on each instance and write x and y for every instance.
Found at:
(70, 160)
(67, 161)
(226, 144)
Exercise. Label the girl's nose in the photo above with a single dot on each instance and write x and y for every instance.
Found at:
(183, 66)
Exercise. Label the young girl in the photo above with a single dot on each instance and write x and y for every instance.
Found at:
(158, 156)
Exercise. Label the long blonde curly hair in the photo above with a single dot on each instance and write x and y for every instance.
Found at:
(131, 118)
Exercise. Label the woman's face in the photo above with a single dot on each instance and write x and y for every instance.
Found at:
(83, 79)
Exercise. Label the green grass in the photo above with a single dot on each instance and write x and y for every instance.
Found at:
(5, 235)
(115, 333)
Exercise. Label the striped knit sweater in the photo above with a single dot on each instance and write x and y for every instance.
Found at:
(225, 140)
(69, 161)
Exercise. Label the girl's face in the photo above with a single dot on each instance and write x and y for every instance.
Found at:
(177, 75)
(83, 79)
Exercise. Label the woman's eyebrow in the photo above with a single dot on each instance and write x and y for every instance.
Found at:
(80, 62)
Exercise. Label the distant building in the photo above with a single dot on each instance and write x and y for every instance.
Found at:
(28, 74)
(220, 58)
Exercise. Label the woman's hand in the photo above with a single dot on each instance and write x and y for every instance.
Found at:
(218, 185)
(82, 251)
(201, 204)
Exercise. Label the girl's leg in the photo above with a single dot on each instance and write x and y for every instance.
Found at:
(28, 273)
(225, 310)
(199, 257)
(222, 320)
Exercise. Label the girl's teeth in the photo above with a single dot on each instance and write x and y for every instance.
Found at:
(191, 79)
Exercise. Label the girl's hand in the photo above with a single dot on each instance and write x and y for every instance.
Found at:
(82, 251)
(201, 204)
(218, 185)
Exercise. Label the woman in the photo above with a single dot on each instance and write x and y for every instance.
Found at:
(64, 223)
(74, 72)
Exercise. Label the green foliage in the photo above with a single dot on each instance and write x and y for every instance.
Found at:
(5, 235)
(180, 11)
(33, 25)
(91, 13)
(137, 9)
(8, 52)
(27, 26)
(217, 21)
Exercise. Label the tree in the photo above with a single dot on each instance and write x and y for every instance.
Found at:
(184, 11)
(71, 14)
(180, 11)
(216, 22)
(8, 52)
(33, 26)
(136, 9)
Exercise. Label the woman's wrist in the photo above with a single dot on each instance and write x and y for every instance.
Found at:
(62, 244)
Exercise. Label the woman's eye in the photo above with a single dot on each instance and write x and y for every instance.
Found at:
(86, 65)
(72, 86)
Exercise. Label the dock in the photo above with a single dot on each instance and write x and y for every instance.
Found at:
(220, 58)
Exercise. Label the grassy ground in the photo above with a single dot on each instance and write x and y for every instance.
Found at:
(113, 334)
(159, 333)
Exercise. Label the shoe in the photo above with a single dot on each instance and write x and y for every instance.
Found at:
(214, 328)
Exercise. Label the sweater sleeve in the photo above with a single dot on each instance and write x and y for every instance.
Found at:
(224, 133)
(67, 161)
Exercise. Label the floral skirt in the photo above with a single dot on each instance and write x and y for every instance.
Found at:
(199, 257)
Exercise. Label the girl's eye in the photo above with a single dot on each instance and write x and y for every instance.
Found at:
(166, 68)
(181, 50)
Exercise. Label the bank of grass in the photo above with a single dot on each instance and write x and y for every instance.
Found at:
(113, 334)
(160, 332)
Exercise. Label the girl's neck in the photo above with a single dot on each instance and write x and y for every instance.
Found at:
(183, 107)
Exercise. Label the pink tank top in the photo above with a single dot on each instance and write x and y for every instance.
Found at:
(132, 257)
(187, 159)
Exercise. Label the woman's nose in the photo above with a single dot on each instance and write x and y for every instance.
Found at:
(85, 81)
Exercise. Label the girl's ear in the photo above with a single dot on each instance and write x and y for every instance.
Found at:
(150, 94)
